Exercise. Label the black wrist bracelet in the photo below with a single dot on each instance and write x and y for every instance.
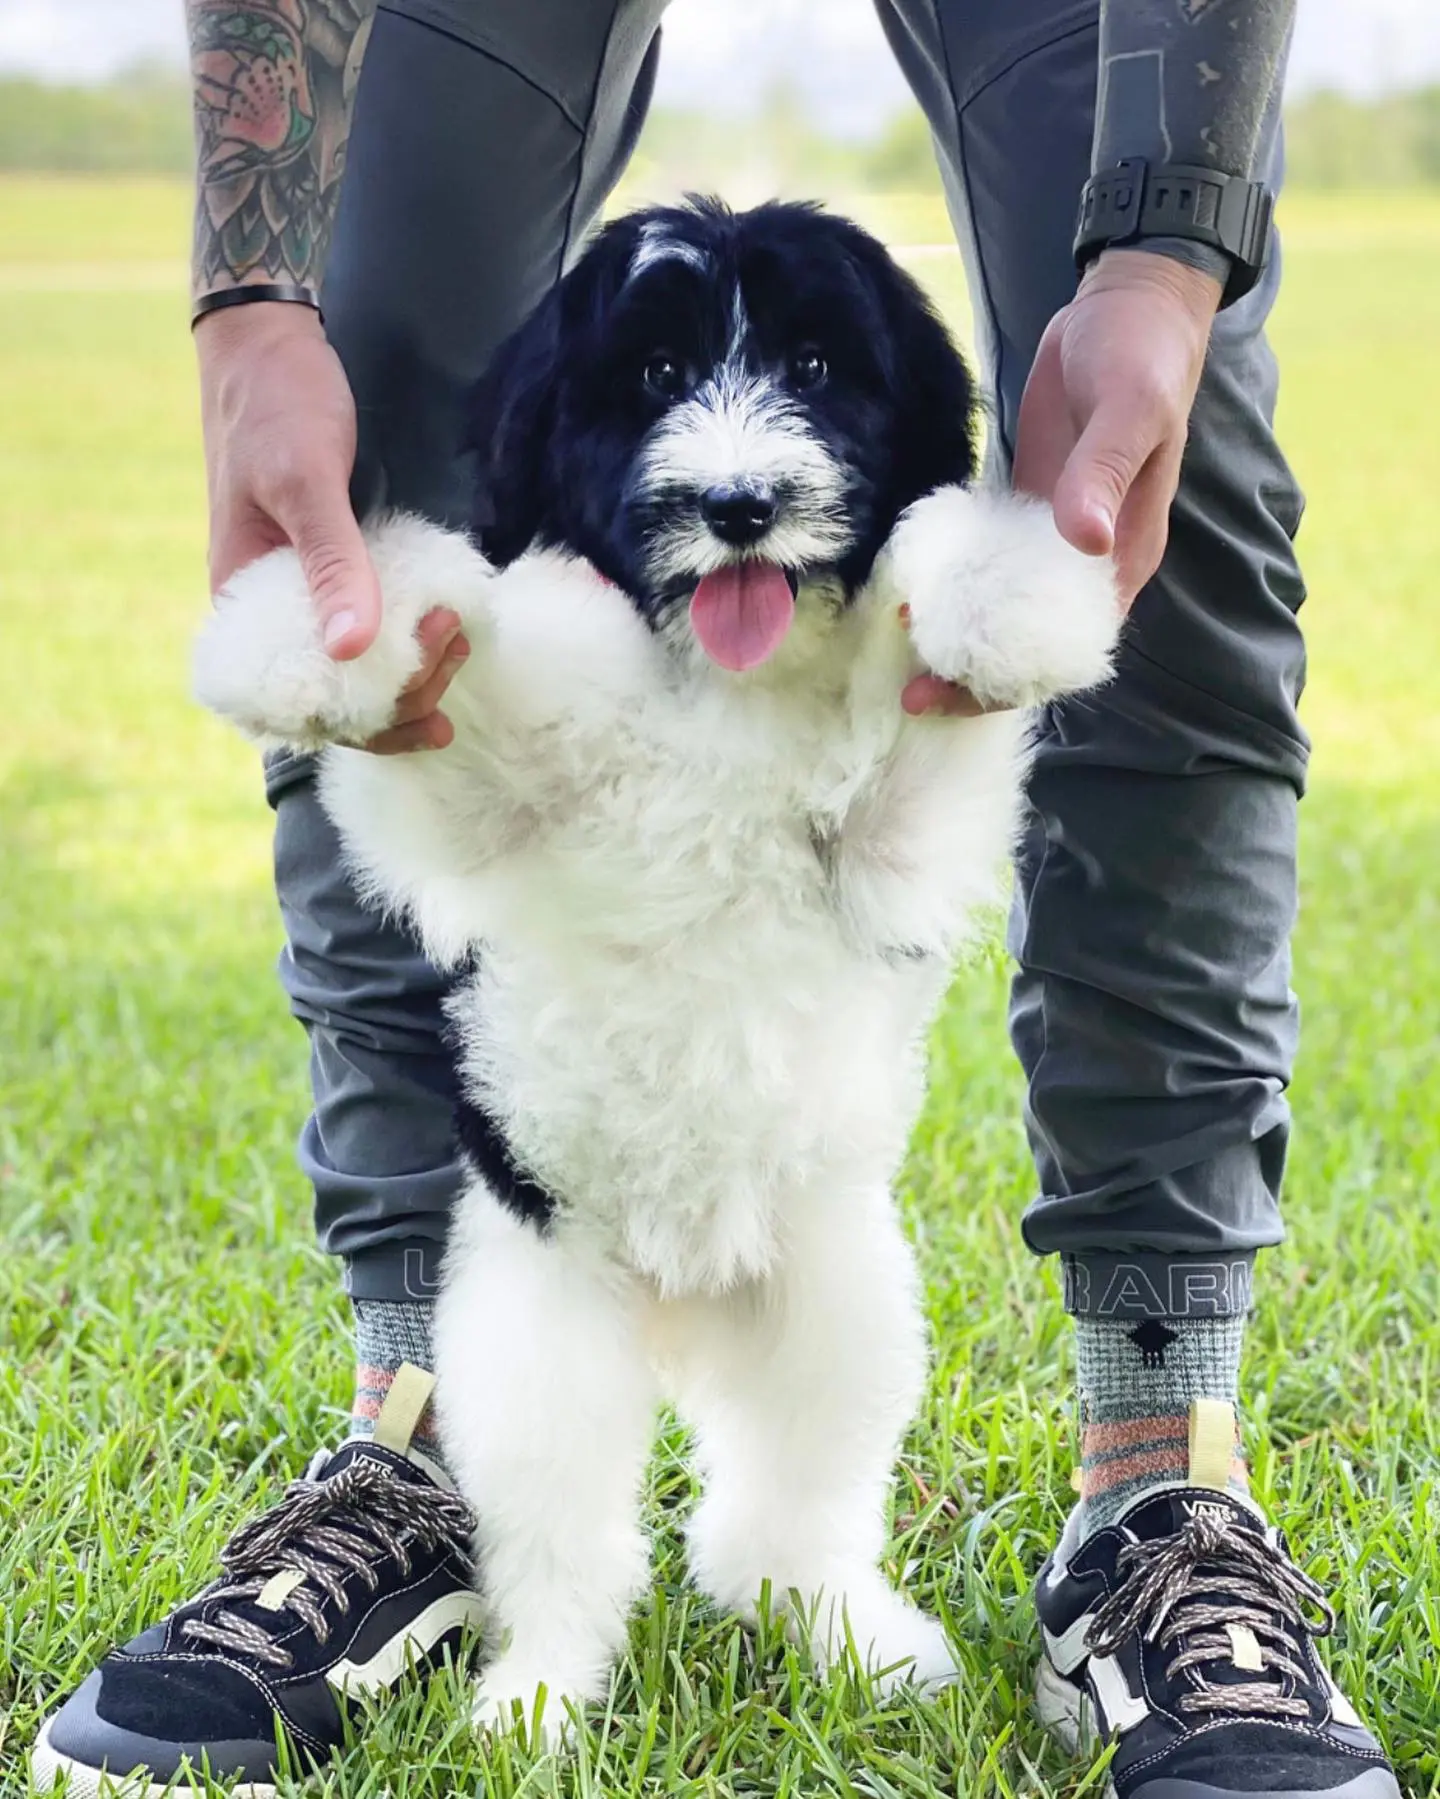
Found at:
(290, 291)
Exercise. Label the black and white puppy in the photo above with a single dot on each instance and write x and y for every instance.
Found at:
(703, 882)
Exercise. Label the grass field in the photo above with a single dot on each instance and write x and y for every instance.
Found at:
(173, 1346)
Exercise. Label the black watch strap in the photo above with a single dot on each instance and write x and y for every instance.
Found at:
(1138, 199)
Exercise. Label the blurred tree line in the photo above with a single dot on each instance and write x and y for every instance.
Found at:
(140, 122)
(1331, 141)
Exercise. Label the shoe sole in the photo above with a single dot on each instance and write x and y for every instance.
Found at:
(50, 1771)
(1066, 1712)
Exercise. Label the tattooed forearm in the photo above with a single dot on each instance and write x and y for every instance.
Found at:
(1188, 80)
(274, 84)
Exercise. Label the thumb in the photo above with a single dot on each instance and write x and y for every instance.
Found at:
(1098, 474)
(338, 572)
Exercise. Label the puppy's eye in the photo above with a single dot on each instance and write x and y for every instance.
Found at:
(665, 377)
(807, 368)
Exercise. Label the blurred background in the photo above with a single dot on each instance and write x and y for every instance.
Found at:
(172, 1343)
(752, 93)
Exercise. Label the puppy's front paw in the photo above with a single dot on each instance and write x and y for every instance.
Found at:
(999, 602)
(507, 1698)
(897, 1643)
(260, 660)
(261, 663)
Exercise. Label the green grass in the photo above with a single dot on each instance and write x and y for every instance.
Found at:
(174, 1346)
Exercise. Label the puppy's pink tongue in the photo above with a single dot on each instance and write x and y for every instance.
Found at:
(741, 614)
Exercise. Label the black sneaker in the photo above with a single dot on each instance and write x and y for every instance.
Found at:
(1184, 1634)
(361, 1572)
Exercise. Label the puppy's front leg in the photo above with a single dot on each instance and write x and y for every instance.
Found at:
(260, 661)
(546, 1403)
(998, 601)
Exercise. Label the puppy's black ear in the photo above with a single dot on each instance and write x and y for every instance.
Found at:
(511, 421)
(933, 393)
(938, 404)
(516, 407)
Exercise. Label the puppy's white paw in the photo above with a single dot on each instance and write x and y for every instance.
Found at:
(896, 1642)
(507, 1684)
(260, 661)
(999, 602)
(914, 1652)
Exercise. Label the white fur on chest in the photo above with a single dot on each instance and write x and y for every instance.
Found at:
(679, 1022)
(712, 913)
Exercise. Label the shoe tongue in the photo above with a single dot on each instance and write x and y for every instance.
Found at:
(741, 614)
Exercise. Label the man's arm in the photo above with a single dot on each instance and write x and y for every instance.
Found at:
(274, 90)
(1103, 420)
(274, 86)
(1187, 80)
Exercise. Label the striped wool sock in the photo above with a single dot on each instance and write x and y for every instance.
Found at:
(387, 1333)
(1137, 1382)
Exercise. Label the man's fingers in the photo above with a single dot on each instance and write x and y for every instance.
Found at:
(432, 733)
(314, 511)
(238, 538)
(435, 634)
(1144, 523)
(420, 699)
(1113, 448)
(417, 725)
(928, 693)
(1045, 432)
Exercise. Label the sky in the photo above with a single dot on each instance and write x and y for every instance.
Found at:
(719, 52)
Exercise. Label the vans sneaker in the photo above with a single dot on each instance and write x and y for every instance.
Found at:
(361, 1572)
(1184, 1634)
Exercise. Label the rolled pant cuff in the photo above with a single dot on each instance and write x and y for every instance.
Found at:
(1151, 1284)
(407, 1271)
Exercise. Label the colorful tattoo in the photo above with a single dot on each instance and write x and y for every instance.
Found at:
(274, 84)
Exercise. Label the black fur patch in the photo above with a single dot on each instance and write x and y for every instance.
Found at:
(486, 1148)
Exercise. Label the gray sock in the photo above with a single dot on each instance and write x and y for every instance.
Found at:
(1138, 1380)
(387, 1333)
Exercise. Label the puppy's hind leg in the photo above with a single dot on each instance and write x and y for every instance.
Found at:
(799, 1393)
(546, 1405)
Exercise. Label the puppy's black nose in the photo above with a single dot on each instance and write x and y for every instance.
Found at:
(738, 515)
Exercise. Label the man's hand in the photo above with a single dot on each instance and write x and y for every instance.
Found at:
(1107, 406)
(1103, 421)
(279, 425)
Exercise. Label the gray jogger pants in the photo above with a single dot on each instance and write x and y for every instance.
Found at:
(1156, 888)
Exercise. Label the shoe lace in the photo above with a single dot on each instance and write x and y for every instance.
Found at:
(1186, 1591)
(325, 1530)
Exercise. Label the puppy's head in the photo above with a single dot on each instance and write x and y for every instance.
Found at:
(719, 410)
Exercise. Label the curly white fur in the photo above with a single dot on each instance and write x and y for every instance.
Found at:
(263, 663)
(954, 551)
(716, 913)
